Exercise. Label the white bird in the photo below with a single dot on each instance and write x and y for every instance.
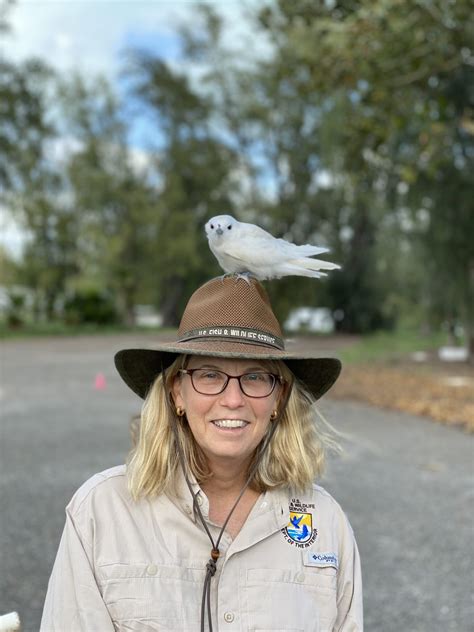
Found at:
(242, 248)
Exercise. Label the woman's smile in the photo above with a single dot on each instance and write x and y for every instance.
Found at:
(229, 424)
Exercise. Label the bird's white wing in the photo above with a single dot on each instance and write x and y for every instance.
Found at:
(252, 230)
(251, 250)
(292, 250)
(259, 238)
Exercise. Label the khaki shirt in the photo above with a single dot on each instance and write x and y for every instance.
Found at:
(140, 566)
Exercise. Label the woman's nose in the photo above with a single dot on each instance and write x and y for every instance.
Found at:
(232, 395)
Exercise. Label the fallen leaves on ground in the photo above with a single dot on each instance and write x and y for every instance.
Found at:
(444, 395)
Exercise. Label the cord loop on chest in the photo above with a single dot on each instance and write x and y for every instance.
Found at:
(211, 567)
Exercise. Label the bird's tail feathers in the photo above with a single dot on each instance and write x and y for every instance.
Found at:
(315, 264)
(308, 267)
(310, 251)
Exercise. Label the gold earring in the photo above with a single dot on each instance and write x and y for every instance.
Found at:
(180, 411)
(274, 415)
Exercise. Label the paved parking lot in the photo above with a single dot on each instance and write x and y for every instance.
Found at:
(405, 482)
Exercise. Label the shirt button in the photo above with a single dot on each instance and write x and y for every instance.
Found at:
(199, 500)
(228, 617)
(300, 577)
(152, 569)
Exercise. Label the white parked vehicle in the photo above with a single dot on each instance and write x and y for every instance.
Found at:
(310, 319)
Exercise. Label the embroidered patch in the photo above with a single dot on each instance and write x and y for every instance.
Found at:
(313, 558)
(300, 531)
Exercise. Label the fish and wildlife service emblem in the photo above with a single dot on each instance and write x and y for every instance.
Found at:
(300, 531)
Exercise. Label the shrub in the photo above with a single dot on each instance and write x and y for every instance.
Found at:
(90, 306)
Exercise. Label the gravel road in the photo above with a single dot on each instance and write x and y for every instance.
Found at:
(404, 481)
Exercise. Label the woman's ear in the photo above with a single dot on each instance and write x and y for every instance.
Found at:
(176, 391)
(284, 395)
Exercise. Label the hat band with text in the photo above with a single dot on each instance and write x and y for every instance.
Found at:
(236, 334)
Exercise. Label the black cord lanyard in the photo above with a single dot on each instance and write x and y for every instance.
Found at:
(211, 564)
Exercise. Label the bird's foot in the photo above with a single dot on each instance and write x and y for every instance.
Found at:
(246, 276)
(225, 276)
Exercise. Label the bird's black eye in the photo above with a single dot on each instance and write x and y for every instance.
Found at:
(229, 227)
(212, 226)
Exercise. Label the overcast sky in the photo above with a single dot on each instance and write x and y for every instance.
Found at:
(92, 35)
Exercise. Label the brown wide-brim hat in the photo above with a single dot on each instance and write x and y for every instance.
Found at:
(227, 317)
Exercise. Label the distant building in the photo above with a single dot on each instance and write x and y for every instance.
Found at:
(147, 316)
(311, 319)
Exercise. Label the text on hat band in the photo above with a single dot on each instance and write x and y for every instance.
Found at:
(237, 334)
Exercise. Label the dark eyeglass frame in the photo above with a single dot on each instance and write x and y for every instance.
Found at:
(276, 379)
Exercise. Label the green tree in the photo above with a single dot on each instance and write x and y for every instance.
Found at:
(275, 120)
(114, 202)
(195, 171)
(50, 255)
(24, 127)
(31, 184)
(398, 87)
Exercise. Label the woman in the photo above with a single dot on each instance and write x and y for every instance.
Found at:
(215, 522)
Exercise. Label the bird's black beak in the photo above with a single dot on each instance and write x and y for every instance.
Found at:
(219, 231)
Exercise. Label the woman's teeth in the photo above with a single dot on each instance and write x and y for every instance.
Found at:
(229, 423)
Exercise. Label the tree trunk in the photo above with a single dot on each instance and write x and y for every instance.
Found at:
(169, 306)
(127, 306)
(469, 319)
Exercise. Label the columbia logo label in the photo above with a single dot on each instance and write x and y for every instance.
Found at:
(322, 559)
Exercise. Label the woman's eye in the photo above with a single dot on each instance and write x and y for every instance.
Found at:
(255, 377)
(208, 375)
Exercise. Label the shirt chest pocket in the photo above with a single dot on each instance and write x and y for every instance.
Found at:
(152, 597)
(303, 599)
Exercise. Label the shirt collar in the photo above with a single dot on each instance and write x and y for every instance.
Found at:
(273, 500)
(184, 498)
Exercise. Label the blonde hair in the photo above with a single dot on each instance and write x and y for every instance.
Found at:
(295, 456)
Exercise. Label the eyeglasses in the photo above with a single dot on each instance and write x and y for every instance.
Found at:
(211, 382)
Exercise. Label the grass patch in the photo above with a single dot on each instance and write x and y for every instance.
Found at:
(32, 330)
(390, 345)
